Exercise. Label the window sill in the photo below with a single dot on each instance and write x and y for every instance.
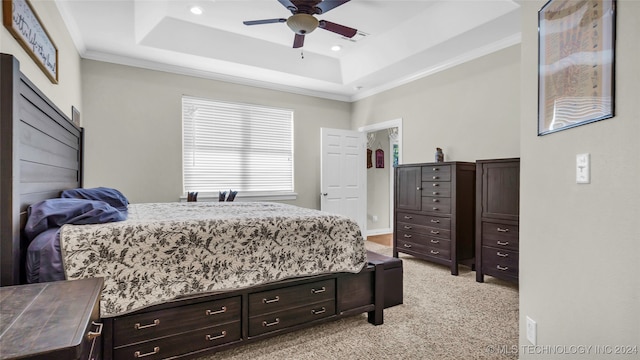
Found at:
(248, 197)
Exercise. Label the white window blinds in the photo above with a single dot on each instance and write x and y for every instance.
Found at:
(242, 147)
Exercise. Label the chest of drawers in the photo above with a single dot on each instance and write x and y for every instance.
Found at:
(56, 320)
(497, 219)
(434, 212)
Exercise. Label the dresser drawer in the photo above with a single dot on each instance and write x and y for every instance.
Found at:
(264, 323)
(135, 328)
(183, 343)
(499, 235)
(436, 250)
(436, 204)
(436, 173)
(426, 220)
(424, 239)
(293, 296)
(424, 230)
(436, 188)
(499, 261)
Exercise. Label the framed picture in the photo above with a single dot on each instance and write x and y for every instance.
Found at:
(24, 24)
(576, 44)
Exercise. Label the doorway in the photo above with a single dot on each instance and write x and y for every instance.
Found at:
(387, 137)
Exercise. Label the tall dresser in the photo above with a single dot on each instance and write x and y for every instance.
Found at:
(497, 215)
(434, 212)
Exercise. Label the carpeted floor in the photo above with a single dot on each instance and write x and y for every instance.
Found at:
(443, 317)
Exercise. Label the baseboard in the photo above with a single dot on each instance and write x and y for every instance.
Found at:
(375, 232)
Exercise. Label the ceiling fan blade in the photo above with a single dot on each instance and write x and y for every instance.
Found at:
(266, 21)
(298, 41)
(327, 5)
(337, 28)
(289, 5)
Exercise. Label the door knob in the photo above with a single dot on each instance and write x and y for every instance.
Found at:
(324, 194)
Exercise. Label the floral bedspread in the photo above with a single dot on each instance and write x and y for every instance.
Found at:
(167, 250)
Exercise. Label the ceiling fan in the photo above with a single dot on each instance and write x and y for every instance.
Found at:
(303, 22)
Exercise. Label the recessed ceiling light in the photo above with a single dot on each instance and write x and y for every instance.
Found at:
(336, 48)
(196, 10)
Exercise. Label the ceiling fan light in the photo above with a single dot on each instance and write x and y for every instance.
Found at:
(302, 23)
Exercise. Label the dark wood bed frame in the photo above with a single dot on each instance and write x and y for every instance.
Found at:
(42, 155)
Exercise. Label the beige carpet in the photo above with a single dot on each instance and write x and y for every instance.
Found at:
(443, 317)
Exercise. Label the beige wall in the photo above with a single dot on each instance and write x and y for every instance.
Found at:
(378, 186)
(133, 125)
(68, 90)
(580, 244)
(470, 111)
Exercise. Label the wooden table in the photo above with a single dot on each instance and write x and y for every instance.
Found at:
(55, 320)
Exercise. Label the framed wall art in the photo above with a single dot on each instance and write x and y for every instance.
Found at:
(576, 44)
(24, 24)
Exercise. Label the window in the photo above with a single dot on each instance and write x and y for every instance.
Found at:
(242, 147)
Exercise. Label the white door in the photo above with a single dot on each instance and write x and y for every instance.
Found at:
(343, 174)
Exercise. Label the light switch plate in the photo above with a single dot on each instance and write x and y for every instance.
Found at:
(532, 331)
(583, 169)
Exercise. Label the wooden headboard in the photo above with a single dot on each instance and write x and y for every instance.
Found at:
(41, 155)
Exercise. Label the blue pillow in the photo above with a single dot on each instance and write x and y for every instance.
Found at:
(111, 196)
(53, 213)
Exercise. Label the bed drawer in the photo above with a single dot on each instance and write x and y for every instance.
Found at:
(136, 328)
(290, 317)
(183, 343)
(293, 296)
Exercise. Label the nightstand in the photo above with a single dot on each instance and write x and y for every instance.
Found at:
(54, 320)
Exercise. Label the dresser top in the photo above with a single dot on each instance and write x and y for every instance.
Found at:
(46, 317)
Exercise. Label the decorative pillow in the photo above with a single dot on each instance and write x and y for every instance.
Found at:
(111, 196)
(52, 213)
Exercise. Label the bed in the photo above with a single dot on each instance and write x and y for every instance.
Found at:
(42, 156)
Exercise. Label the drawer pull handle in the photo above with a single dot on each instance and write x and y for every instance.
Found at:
(223, 333)
(408, 236)
(418, 188)
(318, 312)
(501, 268)
(222, 310)
(502, 243)
(266, 324)
(436, 193)
(435, 221)
(435, 252)
(436, 200)
(407, 245)
(436, 184)
(408, 217)
(408, 227)
(137, 326)
(94, 334)
(501, 254)
(436, 169)
(318, 291)
(433, 241)
(502, 230)
(270, 301)
(435, 209)
(137, 354)
(436, 177)
(434, 232)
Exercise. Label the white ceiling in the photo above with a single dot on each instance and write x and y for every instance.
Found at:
(398, 41)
